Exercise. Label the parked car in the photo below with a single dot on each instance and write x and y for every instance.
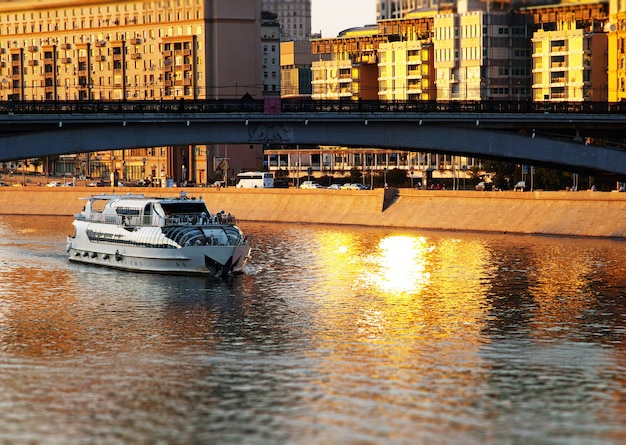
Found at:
(346, 186)
(334, 187)
(54, 184)
(520, 186)
(358, 186)
(310, 185)
(97, 184)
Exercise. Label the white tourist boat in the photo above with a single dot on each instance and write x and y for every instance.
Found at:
(163, 235)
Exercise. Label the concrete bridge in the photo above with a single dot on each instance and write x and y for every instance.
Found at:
(562, 137)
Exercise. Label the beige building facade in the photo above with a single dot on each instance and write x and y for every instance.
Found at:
(134, 50)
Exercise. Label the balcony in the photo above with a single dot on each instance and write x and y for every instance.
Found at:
(33, 62)
(135, 56)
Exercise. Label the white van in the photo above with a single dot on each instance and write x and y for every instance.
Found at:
(255, 180)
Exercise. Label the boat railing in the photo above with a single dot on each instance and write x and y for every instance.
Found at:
(147, 220)
(196, 219)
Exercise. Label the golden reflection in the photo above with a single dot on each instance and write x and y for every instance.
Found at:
(404, 285)
(401, 262)
(403, 302)
(41, 321)
(560, 278)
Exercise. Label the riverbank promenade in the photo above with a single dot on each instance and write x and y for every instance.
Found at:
(589, 214)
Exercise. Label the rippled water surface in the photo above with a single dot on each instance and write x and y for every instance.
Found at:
(333, 335)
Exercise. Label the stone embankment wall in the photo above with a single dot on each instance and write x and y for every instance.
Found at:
(596, 214)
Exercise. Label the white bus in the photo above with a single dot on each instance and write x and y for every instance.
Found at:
(255, 180)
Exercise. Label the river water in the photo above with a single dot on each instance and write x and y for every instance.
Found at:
(333, 335)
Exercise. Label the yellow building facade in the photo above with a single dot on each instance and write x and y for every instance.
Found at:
(133, 50)
(405, 71)
(617, 64)
(563, 68)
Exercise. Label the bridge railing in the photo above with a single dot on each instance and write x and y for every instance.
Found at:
(249, 105)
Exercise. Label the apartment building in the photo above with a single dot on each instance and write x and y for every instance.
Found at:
(270, 42)
(571, 52)
(134, 50)
(399, 53)
(397, 9)
(406, 60)
(617, 50)
(294, 17)
(348, 68)
(481, 54)
(405, 71)
(296, 59)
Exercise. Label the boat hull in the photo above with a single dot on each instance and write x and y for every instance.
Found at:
(205, 260)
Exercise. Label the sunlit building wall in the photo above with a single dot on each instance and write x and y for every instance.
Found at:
(405, 71)
(296, 59)
(481, 55)
(617, 51)
(346, 65)
(563, 68)
(570, 55)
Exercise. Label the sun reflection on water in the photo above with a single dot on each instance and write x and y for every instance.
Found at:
(401, 265)
(404, 285)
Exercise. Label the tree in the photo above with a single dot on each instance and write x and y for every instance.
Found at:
(502, 173)
(355, 174)
(397, 178)
(550, 179)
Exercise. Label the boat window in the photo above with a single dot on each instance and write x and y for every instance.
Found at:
(127, 211)
(148, 209)
(183, 207)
